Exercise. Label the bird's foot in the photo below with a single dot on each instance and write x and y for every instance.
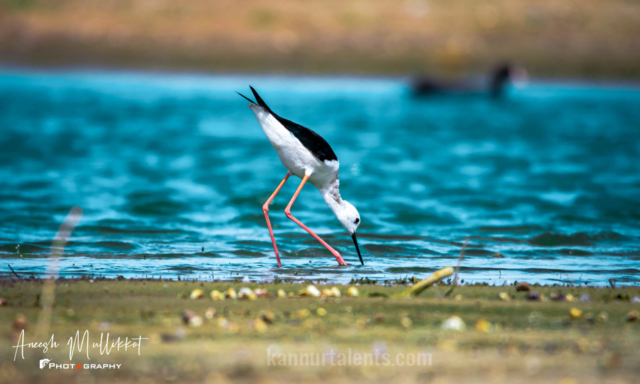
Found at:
(278, 259)
(341, 261)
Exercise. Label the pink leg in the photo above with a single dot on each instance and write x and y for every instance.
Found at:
(265, 209)
(287, 211)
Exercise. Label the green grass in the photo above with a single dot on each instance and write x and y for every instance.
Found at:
(534, 341)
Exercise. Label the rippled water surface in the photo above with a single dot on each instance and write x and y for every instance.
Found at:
(171, 171)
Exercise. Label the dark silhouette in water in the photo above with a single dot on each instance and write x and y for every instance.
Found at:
(493, 86)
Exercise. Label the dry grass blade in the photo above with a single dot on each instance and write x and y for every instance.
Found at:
(455, 275)
(57, 249)
(14, 272)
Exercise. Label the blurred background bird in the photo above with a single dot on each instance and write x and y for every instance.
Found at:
(495, 85)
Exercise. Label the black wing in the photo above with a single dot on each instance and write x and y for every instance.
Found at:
(311, 140)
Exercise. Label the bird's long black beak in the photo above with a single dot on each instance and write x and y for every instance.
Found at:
(355, 241)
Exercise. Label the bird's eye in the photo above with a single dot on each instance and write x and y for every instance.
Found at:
(357, 221)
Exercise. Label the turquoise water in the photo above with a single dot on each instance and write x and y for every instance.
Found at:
(166, 165)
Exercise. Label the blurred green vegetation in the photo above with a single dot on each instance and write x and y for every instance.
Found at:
(201, 340)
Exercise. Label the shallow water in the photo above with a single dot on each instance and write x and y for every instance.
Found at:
(166, 165)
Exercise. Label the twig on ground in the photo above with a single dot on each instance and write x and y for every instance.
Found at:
(47, 299)
(455, 275)
(14, 272)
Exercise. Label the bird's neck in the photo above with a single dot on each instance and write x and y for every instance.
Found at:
(331, 195)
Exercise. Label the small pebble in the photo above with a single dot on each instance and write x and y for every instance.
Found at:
(331, 292)
(197, 294)
(326, 293)
(216, 295)
(260, 325)
(352, 292)
(454, 323)
(231, 294)
(602, 317)
(310, 291)
(195, 321)
(268, 317)
(484, 326)
(575, 313)
(20, 323)
(303, 313)
(186, 316)
(246, 294)
(523, 287)
(632, 316)
(533, 296)
(210, 313)
(406, 323)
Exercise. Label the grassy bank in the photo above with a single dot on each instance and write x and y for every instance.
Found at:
(571, 38)
(505, 336)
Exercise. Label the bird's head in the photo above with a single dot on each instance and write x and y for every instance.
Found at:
(346, 213)
(507, 73)
(349, 217)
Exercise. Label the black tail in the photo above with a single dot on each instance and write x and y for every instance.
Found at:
(259, 100)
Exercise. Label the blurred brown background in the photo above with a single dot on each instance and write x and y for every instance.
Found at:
(571, 38)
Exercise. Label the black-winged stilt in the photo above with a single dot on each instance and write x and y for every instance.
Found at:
(493, 85)
(307, 155)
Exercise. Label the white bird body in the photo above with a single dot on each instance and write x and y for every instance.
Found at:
(295, 157)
